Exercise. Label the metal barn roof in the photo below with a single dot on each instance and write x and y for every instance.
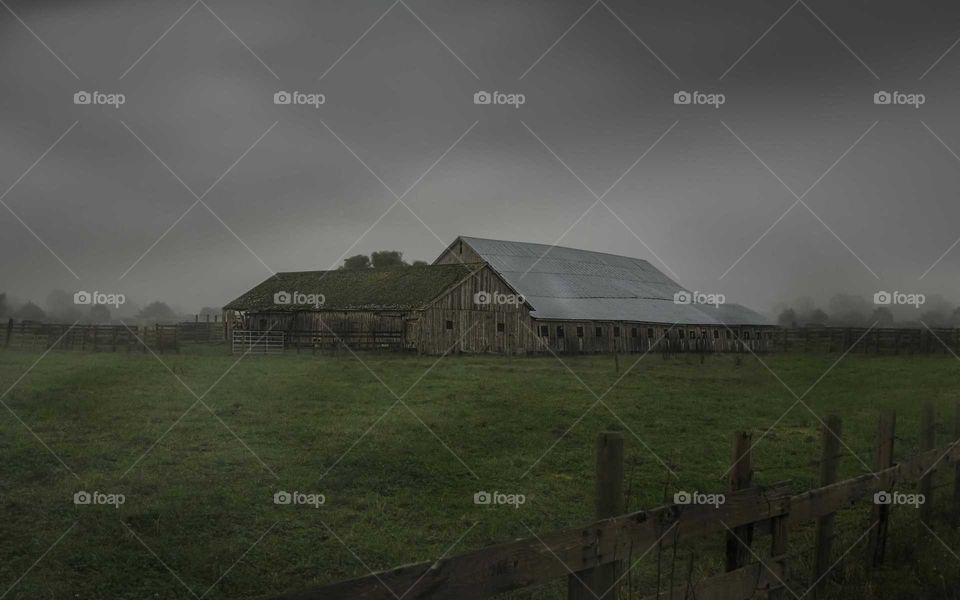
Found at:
(570, 284)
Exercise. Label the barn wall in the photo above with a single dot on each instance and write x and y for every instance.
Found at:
(458, 252)
(457, 322)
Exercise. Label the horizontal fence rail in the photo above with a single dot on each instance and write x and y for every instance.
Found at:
(582, 554)
(258, 342)
(91, 338)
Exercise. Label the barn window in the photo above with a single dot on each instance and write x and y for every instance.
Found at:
(716, 334)
(680, 332)
(703, 333)
(500, 327)
(649, 332)
(633, 332)
(599, 332)
(746, 334)
(544, 331)
(693, 334)
(559, 331)
(729, 334)
(449, 325)
(580, 332)
(616, 332)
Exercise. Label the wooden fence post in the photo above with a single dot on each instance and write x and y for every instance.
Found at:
(829, 460)
(599, 583)
(9, 332)
(881, 512)
(740, 478)
(928, 437)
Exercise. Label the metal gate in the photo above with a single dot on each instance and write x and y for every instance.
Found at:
(258, 342)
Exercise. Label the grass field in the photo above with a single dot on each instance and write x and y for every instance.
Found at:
(199, 483)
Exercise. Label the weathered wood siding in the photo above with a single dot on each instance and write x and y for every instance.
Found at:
(458, 252)
(460, 321)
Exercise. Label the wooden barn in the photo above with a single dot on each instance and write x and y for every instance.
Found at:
(491, 296)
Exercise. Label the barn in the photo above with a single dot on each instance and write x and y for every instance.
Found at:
(494, 296)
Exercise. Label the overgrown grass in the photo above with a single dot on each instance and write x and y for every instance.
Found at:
(399, 476)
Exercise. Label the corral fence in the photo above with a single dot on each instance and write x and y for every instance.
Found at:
(315, 341)
(258, 342)
(592, 558)
(202, 332)
(29, 335)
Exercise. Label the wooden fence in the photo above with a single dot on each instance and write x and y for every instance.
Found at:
(592, 558)
(29, 335)
(863, 340)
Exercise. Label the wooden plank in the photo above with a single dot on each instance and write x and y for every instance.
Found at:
(779, 527)
(829, 460)
(742, 584)
(505, 567)
(739, 540)
(956, 468)
(886, 431)
(600, 582)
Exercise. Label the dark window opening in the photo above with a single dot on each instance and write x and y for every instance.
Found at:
(544, 331)
(500, 327)
(559, 331)
(580, 332)
(729, 334)
(703, 333)
(616, 332)
(649, 332)
(599, 332)
(746, 335)
(716, 334)
(633, 332)
(449, 324)
(680, 331)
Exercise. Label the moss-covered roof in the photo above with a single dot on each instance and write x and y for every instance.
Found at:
(366, 289)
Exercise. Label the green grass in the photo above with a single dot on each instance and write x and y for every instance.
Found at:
(202, 496)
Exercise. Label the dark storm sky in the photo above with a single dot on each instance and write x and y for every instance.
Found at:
(201, 98)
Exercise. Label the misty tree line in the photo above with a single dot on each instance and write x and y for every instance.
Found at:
(59, 307)
(384, 259)
(849, 310)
